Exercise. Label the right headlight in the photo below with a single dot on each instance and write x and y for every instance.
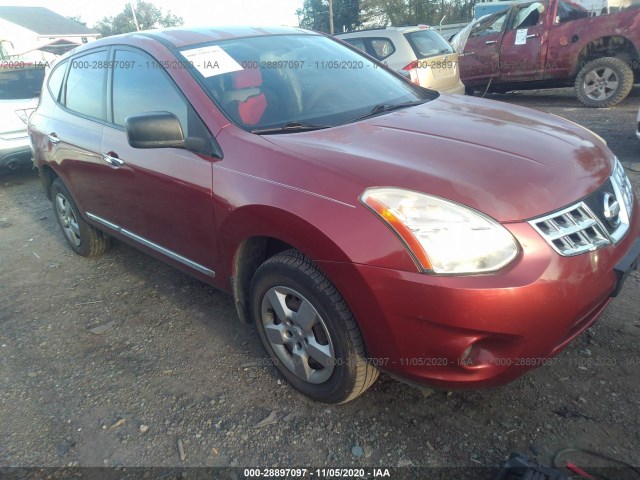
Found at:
(443, 236)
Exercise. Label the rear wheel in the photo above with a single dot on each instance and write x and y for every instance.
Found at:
(83, 239)
(308, 330)
(604, 82)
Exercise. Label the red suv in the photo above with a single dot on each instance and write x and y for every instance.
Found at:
(363, 223)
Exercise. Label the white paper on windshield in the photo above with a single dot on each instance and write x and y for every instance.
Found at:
(521, 36)
(211, 61)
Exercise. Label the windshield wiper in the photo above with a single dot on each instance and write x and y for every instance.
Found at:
(383, 107)
(289, 128)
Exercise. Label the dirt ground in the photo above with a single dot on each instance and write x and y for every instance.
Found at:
(172, 364)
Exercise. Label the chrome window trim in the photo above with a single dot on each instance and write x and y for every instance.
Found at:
(154, 246)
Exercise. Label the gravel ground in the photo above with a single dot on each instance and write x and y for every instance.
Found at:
(124, 361)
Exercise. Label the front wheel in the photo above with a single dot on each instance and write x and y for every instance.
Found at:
(604, 82)
(308, 330)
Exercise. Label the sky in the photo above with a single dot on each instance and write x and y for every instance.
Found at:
(194, 12)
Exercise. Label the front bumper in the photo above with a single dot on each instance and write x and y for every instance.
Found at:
(15, 152)
(420, 327)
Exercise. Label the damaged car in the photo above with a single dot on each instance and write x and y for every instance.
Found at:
(360, 222)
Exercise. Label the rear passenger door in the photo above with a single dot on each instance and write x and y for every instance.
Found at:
(73, 131)
(162, 196)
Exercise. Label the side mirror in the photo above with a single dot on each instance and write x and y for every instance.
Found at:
(154, 130)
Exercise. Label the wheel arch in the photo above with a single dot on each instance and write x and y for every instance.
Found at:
(253, 234)
(47, 177)
(617, 46)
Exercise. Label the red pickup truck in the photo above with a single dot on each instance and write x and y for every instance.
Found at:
(549, 44)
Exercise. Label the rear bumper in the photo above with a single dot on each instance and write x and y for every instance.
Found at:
(456, 89)
(421, 327)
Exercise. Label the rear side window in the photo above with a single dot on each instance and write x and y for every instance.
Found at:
(381, 48)
(85, 85)
(140, 85)
(568, 11)
(357, 42)
(378, 48)
(428, 43)
(55, 80)
(20, 83)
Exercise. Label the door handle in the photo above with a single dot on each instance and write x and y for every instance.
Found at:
(112, 160)
(53, 138)
(533, 35)
(490, 42)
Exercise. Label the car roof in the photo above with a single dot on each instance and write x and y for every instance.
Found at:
(183, 36)
(380, 31)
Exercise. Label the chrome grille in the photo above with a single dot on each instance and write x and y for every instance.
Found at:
(594, 202)
(572, 231)
(585, 226)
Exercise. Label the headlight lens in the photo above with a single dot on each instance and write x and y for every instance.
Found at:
(443, 236)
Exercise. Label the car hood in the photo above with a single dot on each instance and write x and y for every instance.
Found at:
(510, 162)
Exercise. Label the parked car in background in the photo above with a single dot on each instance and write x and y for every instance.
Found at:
(549, 44)
(361, 222)
(20, 86)
(420, 53)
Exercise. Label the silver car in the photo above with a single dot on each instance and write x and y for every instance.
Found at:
(20, 86)
(420, 53)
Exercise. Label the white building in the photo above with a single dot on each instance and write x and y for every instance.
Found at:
(38, 34)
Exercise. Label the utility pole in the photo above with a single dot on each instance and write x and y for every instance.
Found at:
(135, 19)
(331, 16)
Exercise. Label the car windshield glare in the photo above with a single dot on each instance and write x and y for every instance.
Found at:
(270, 82)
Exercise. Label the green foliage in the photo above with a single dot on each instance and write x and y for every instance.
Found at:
(314, 15)
(350, 14)
(149, 16)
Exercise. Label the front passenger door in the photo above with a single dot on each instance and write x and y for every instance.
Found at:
(481, 58)
(161, 196)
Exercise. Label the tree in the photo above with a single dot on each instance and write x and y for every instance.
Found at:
(314, 15)
(148, 15)
(415, 12)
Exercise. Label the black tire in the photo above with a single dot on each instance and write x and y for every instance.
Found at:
(335, 369)
(83, 239)
(604, 82)
(469, 91)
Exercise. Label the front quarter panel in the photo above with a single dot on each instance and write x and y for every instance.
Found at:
(261, 190)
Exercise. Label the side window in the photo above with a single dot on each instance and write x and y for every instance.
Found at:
(570, 11)
(55, 80)
(357, 42)
(381, 48)
(141, 85)
(491, 25)
(84, 91)
(529, 16)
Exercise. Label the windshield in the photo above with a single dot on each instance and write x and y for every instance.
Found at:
(19, 84)
(296, 81)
